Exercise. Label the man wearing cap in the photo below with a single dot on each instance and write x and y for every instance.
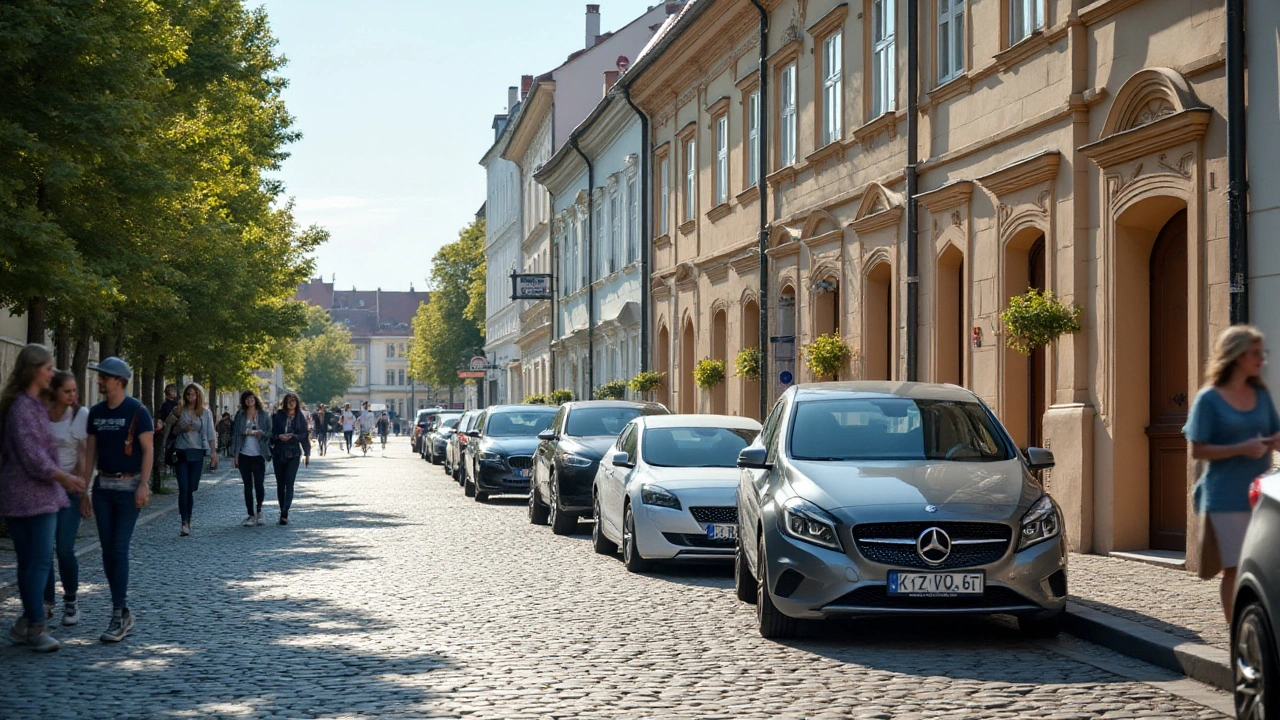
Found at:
(120, 442)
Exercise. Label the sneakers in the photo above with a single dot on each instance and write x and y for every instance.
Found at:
(258, 519)
(39, 639)
(70, 612)
(185, 531)
(18, 631)
(284, 520)
(249, 522)
(121, 624)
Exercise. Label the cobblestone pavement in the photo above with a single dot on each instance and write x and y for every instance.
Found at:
(1166, 599)
(392, 595)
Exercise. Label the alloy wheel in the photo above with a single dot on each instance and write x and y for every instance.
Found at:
(553, 502)
(1251, 663)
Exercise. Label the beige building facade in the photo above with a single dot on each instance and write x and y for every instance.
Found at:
(1077, 147)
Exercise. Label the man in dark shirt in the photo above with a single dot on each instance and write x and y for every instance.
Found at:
(120, 445)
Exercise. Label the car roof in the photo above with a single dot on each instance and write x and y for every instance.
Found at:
(882, 388)
(516, 408)
(699, 420)
(614, 404)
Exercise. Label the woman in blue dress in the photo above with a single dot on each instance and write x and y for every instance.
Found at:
(1233, 426)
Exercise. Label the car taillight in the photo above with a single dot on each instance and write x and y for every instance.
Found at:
(1255, 492)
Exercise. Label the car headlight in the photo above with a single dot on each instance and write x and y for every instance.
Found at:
(487, 456)
(654, 495)
(574, 460)
(805, 521)
(1042, 522)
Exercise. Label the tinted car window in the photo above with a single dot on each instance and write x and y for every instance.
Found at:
(599, 421)
(450, 422)
(627, 442)
(519, 423)
(695, 446)
(895, 429)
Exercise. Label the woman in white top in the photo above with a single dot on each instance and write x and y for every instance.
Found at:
(191, 425)
(250, 432)
(68, 420)
(348, 425)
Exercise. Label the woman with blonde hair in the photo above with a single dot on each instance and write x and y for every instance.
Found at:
(1233, 426)
(193, 431)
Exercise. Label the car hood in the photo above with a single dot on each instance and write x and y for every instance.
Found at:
(898, 490)
(509, 445)
(685, 478)
(593, 448)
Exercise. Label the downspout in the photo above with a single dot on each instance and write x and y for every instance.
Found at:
(551, 243)
(1237, 165)
(644, 239)
(913, 206)
(762, 240)
(591, 269)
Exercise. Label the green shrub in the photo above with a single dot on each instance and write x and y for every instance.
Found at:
(747, 364)
(536, 399)
(1037, 319)
(708, 373)
(614, 390)
(647, 382)
(560, 397)
(827, 355)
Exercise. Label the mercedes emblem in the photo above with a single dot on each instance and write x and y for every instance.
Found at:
(931, 508)
(933, 546)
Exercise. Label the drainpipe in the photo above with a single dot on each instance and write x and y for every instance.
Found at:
(762, 240)
(644, 239)
(591, 269)
(1237, 168)
(913, 206)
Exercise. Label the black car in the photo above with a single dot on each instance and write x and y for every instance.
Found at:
(425, 417)
(456, 452)
(499, 454)
(564, 467)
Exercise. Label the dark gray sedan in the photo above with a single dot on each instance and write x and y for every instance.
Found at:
(1253, 629)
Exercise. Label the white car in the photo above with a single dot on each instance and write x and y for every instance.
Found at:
(665, 490)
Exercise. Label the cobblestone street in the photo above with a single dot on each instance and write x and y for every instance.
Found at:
(390, 594)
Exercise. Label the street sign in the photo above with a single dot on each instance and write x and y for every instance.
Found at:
(471, 374)
(785, 378)
(479, 362)
(530, 286)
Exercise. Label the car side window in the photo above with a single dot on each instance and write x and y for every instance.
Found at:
(769, 432)
(629, 441)
(557, 423)
(479, 425)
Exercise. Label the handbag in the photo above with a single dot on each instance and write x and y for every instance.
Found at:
(172, 455)
(1210, 555)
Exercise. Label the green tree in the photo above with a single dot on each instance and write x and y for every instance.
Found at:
(322, 374)
(443, 331)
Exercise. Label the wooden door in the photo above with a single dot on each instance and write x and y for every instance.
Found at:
(1036, 362)
(1169, 391)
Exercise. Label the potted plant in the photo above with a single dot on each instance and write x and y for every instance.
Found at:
(561, 396)
(1036, 319)
(827, 355)
(646, 382)
(747, 364)
(536, 399)
(613, 390)
(708, 373)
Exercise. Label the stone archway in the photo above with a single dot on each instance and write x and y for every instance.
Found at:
(1025, 394)
(949, 335)
(663, 357)
(750, 387)
(720, 351)
(877, 317)
(688, 399)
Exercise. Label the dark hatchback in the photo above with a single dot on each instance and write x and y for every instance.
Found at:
(499, 453)
(565, 464)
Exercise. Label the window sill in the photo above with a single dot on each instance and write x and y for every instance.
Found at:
(663, 240)
(782, 176)
(719, 211)
(887, 121)
(748, 195)
(688, 226)
(953, 87)
(831, 149)
(1022, 50)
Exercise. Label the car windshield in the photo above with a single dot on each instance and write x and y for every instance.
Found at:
(450, 422)
(695, 446)
(599, 421)
(520, 423)
(895, 429)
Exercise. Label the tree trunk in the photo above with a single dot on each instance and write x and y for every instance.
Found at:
(37, 307)
(80, 357)
(157, 383)
(62, 345)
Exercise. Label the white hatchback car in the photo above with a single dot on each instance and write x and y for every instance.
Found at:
(665, 490)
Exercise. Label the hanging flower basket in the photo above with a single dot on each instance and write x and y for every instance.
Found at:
(747, 364)
(646, 382)
(560, 397)
(535, 399)
(1036, 319)
(709, 373)
(827, 355)
(615, 390)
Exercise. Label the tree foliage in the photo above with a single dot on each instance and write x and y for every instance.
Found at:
(443, 331)
(321, 373)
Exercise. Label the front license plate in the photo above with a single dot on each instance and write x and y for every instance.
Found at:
(523, 473)
(912, 584)
(721, 531)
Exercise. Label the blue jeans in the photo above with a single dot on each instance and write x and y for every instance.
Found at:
(117, 514)
(65, 542)
(286, 473)
(33, 544)
(189, 468)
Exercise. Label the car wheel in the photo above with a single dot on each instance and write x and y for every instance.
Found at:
(537, 511)
(436, 459)
(744, 583)
(773, 624)
(482, 496)
(468, 487)
(1253, 656)
(1042, 625)
(562, 523)
(601, 544)
(630, 554)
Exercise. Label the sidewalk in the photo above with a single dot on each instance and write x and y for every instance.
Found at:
(1165, 616)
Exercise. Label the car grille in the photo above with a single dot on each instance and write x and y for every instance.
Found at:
(715, 514)
(903, 554)
(520, 462)
(876, 596)
(699, 541)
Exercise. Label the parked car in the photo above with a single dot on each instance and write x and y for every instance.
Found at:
(423, 419)
(564, 466)
(438, 436)
(499, 455)
(667, 490)
(869, 498)
(1253, 630)
(455, 452)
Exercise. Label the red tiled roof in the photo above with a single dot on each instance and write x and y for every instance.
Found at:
(365, 312)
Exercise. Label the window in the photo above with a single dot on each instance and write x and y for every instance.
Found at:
(391, 350)
(391, 377)
(895, 429)
(402, 350)
(690, 179)
(722, 160)
(584, 254)
(401, 378)
(883, 80)
(787, 126)
(602, 248)
(753, 139)
(1024, 18)
(633, 221)
(951, 44)
(664, 197)
(695, 446)
(615, 217)
(832, 84)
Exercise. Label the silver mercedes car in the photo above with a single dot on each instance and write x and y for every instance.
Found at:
(881, 498)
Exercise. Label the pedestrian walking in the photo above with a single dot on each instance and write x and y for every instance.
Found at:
(33, 489)
(320, 421)
(224, 434)
(290, 444)
(1233, 426)
(348, 425)
(251, 431)
(69, 421)
(120, 445)
(384, 428)
(191, 429)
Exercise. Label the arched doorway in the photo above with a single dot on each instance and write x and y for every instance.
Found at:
(688, 358)
(877, 308)
(663, 357)
(719, 351)
(1024, 401)
(1169, 392)
(949, 335)
(784, 350)
(826, 307)
(750, 402)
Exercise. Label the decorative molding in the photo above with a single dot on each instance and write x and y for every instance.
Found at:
(877, 221)
(718, 107)
(746, 263)
(749, 82)
(789, 49)
(719, 211)
(716, 273)
(867, 133)
(879, 208)
(1148, 96)
(833, 149)
(661, 242)
(686, 273)
(685, 133)
(1022, 173)
(631, 165)
(1168, 132)
(947, 196)
(782, 176)
(959, 85)
(830, 22)
(749, 195)
(1025, 48)
(1103, 9)
(688, 226)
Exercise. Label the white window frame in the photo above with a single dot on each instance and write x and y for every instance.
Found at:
(690, 179)
(664, 210)
(633, 219)
(883, 56)
(832, 87)
(951, 41)
(787, 115)
(722, 159)
(753, 139)
(615, 218)
(1025, 17)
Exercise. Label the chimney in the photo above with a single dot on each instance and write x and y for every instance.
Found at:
(526, 82)
(610, 77)
(513, 97)
(593, 25)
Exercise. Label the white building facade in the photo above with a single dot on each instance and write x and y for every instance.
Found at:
(503, 233)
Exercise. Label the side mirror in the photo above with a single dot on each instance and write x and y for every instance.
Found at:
(547, 435)
(1039, 458)
(622, 460)
(754, 457)
(473, 433)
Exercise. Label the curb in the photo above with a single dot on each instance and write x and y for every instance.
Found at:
(1208, 664)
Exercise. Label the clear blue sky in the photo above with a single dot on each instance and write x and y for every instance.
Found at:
(395, 99)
